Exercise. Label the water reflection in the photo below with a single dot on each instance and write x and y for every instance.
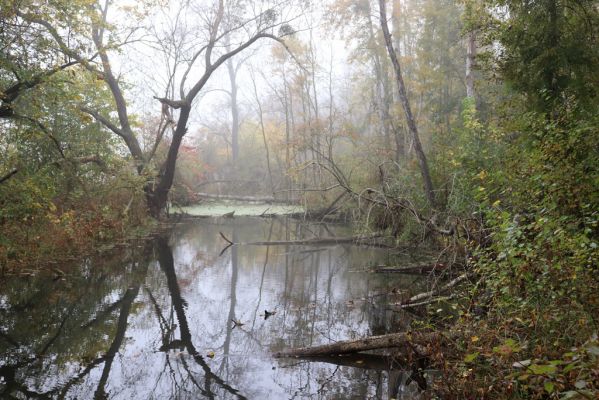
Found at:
(178, 319)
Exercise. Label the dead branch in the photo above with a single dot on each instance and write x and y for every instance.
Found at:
(176, 104)
(226, 240)
(9, 175)
(417, 268)
(426, 302)
(435, 292)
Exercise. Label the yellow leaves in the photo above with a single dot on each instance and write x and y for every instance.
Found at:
(455, 163)
(469, 358)
(474, 339)
(507, 348)
(53, 219)
(482, 175)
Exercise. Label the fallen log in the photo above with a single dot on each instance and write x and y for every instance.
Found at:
(417, 341)
(409, 269)
(259, 199)
(362, 239)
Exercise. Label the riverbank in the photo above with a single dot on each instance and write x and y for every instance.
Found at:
(67, 237)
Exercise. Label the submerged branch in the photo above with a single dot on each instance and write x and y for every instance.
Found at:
(363, 360)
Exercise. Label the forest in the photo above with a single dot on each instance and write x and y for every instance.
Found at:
(454, 141)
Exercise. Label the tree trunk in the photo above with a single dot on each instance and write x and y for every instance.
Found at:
(382, 90)
(263, 129)
(157, 194)
(428, 184)
(234, 112)
(470, 57)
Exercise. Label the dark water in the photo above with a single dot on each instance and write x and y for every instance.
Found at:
(155, 321)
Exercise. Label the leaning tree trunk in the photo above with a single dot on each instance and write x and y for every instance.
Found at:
(426, 177)
(157, 193)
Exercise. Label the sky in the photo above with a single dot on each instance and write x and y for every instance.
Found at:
(144, 66)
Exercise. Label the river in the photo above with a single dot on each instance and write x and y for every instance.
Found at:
(179, 318)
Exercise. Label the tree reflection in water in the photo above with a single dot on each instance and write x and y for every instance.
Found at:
(140, 323)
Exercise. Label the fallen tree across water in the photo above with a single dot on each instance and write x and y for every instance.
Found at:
(369, 240)
(419, 342)
(258, 199)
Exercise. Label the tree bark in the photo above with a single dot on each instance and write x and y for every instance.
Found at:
(424, 170)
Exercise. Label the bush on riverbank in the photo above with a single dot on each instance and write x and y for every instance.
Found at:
(37, 226)
(530, 328)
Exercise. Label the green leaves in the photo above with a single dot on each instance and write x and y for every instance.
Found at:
(508, 347)
(471, 357)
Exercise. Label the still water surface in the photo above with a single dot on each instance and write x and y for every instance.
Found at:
(176, 319)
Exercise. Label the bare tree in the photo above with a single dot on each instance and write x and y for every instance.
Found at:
(198, 56)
